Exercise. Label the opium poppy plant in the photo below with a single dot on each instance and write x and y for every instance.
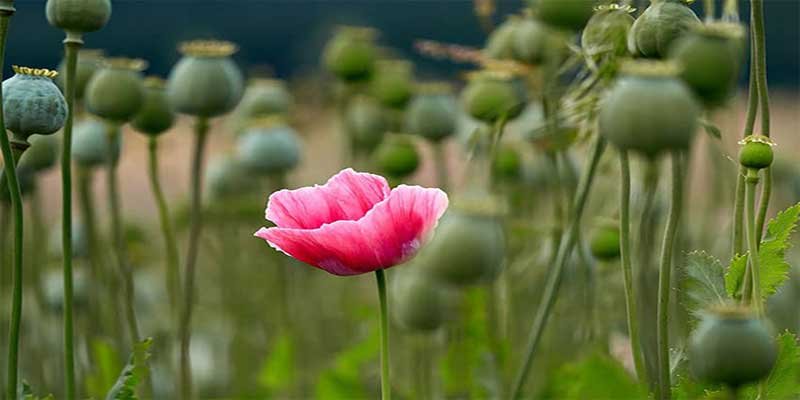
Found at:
(354, 224)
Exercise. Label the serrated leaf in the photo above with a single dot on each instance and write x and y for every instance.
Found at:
(133, 373)
(105, 365)
(784, 380)
(277, 373)
(705, 281)
(598, 376)
(734, 277)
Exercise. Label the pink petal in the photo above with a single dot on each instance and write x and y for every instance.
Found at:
(389, 234)
(348, 195)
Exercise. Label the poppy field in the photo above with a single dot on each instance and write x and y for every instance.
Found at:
(597, 202)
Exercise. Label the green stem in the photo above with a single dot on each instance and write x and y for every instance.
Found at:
(184, 328)
(118, 236)
(386, 386)
(554, 277)
(72, 43)
(440, 159)
(759, 52)
(709, 9)
(664, 280)
(173, 274)
(752, 240)
(39, 236)
(625, 262)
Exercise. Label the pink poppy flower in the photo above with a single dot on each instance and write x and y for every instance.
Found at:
(354, 223)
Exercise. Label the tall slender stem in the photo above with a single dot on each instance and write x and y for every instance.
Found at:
(709, 8)
(760, 54)
(554, 277)
(173, 273)
(184, 329)
(752, 239)
(664, 279)
(386, 386)
(625, 262)
(72, 43)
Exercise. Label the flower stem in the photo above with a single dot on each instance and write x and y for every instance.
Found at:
(386, 386)
(760, 61)
(72, 43)
(752, 239)
(184, 328)
(625, 262)
(664, 280)
(173, 274)
(554, 277)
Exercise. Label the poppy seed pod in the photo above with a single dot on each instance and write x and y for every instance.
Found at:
(226, 177)
(397, 156)
(32, 103)
(268, 150)
(469, 246)
(571, 15)
(90, 143)
(418, 303)
(710, 56)
(491, 95)
(351, 54)
(605, 242)
(649, 110)
(606, 33)
(433, 114)
(155, 116)
(116, 91)
(262, 98)
(659, 26)
(756, 152)
(27, 183)
(89, 61)
(366, 122)
(78, 16)
(205, 82)
(42, 155)
(532, 41)
(507, 164)
(731, 346)
(500, 44)
(393, 83)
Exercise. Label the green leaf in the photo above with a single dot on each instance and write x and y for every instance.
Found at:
(27, 393)
(711, 129)
(705, 281)
(734, 277)
(134, 373)
(343, 380)
(598, 376)
(105, 365)
(277, 373)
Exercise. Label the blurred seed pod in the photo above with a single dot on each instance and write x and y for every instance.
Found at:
(78, 16)
(351, 54)
(649, 110)
(80, 243)
(205, 82)
(90, 143)
(709, 57)
(32, 103)
(606, 33)
(392, 83)
(491, 95)
(27, 183)
(500, 44)
(116, 91)
(89, 61)
(731, 346)
(262, 98)
(53, 288)
(156, 115)
(659, 26)
(533, 41)
(268, 150)
(569, 15)
(433, 113)
(227, 177)
(507, 164)
(419, 303)
(397, 156)
(604, 241)
(366, 122)
(42, 155)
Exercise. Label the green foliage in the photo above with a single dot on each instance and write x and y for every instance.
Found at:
(105, 364)
(134, 373)
(784, 381)
(342, 380)
(597, 376)
(277, 373)
(27, 393)
(771, 255)
(705, 281)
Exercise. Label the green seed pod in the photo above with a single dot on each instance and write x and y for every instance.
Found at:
(507, 164)
(351, 54)
(532, 41)
(491, 95)
(116, 92)
(32, 103)
(27, 183)
(731, 346)
(366, 122)
(606, 33)
(42, 155)
(469, 246)
(205, 82)
(90, 143)
(268, 150)
(53, 281)
(500, 44)
(226, 177)
(570, 15)
(397, 156)
(710, 56)
(419, 304)
(393, 83)
(659, 25)
(156, 115)
(78, 16)
(649, 110)
(756, 152)
(262, 98)
(89, 61)
(605, 242)
(433, 114)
